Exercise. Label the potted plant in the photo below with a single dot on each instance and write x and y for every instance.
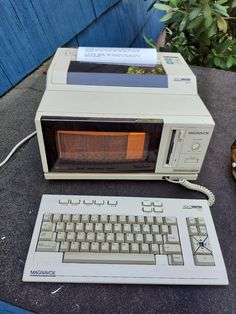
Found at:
(203, 31)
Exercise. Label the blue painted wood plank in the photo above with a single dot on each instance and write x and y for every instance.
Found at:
(40, 45)
(5, 84)
(16, 58)
(151, 29)
(62, 20)
(103, 32)
(101, 6)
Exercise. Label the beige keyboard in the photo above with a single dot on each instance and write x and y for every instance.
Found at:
(124, 240)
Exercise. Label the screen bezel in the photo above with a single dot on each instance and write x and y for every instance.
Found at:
(51, 124)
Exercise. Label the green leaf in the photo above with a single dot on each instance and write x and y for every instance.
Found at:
(174, 2)
(196, 22)
(230, 62)
(211, 31)
(221, 1)
(194, 13)
(207, 15)
(220, 9)
(162, 7)
(222, 24)
(183, 24)
(167, 17)
(223, 46)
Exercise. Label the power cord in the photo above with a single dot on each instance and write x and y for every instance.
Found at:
(16, 147)
(195, 187)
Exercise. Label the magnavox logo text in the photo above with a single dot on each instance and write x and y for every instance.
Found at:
(43, 273)
(198, 133)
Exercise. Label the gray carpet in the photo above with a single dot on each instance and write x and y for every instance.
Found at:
(22, 184)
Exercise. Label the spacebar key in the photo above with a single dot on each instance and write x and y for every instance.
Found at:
(109, 258)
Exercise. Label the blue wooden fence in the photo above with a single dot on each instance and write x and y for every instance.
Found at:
(31, 30)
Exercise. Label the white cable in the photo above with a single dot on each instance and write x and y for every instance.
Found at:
(195, 187)
(16, 147)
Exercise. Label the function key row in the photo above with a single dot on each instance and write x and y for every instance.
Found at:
(87, 202)
(113, 219)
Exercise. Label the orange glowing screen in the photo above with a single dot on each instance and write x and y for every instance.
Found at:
(92, 146)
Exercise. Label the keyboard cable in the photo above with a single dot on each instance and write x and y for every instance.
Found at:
(16, 147)
(195, 187)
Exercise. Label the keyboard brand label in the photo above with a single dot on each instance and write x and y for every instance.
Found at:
(43, 273)
(192, 207)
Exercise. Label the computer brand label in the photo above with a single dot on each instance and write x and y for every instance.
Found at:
(43, 273)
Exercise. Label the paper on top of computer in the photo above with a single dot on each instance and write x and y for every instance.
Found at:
(120, 56)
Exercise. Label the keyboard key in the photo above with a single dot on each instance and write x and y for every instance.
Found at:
(61, 236)
(64, 247)
(98, 202)
(94, 218)
(124, 248)
(120, 238)
(146, 229)
(60, 226)
(127, 228)
(170, 221)
(148, 238)
(134, 248)
(71, 236)
(112, 258)
(84, 247)
(193, 230)
(111, 202)
(88, 227)
(64, 201)
(114, 248)
(105, 247)
(47, 217)
(113, 219)
(144, 248)
(94, 247)
(110, 237)
(129, 238)
(171, 248)
(177, 259)
(154, 248)
(155, 229)
(100, 237)
(172, 238)
(138, 238)
(117, 228)
(131, 219)
(147, 209)
(149, 220)
(85, 218)
(47, 226)
(103, 219)
(157, 204)
(80, 237)
(98, 227)
(79, 227)
(66, 217)
(200, 221)
(202, 230)
(191, 221)
(70, 227)
(157, 238)
(57, 217)
(108, 228)
(136, 228)
(75, 202)
(47, 236)
(90, 237)
(122, 219)
(47, 246)
(146, 203)
(140, 220)
(204, 260)
(75, 218)
(74, 247)
(164, 229)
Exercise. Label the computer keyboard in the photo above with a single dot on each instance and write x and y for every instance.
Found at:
(124, 240)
